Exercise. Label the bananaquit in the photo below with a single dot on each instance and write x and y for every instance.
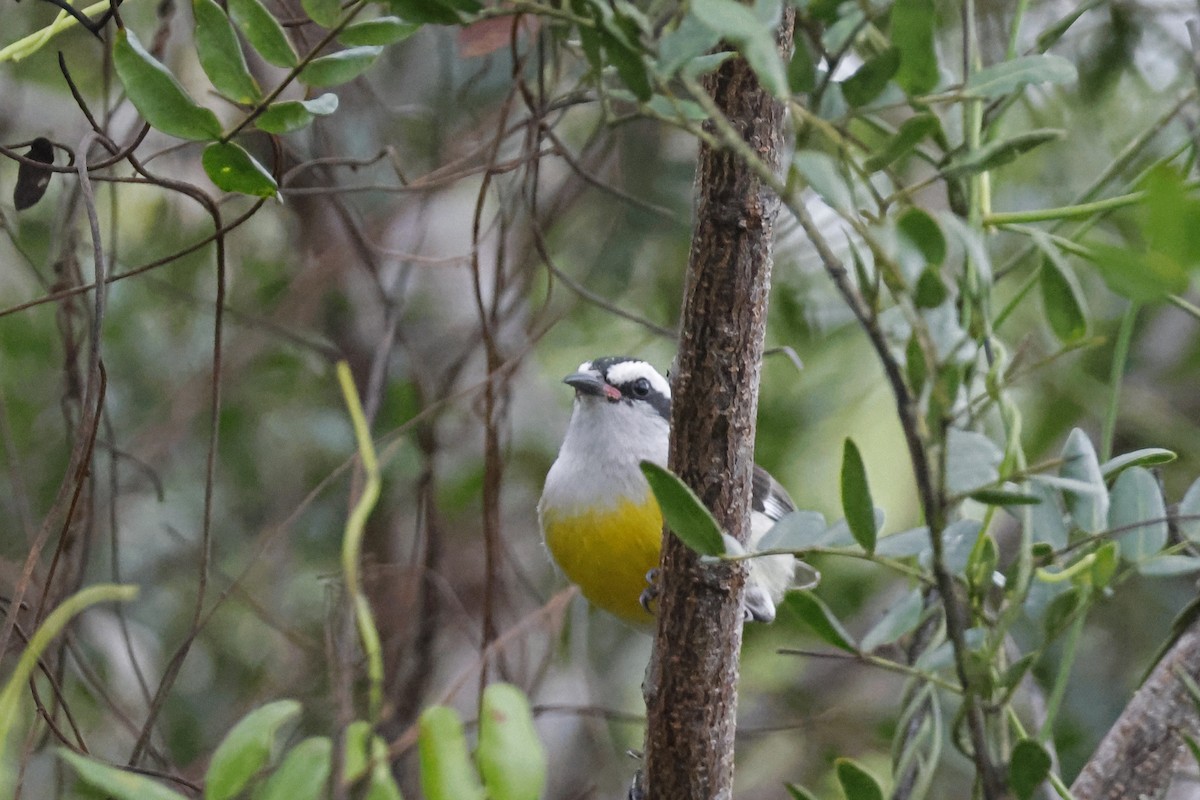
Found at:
(599, 519)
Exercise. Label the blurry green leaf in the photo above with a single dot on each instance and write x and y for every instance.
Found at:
(114, 782)
(355, 741)
(913, 24)
(1030, 765)
(325, 13)
(380, 31)
(303, 773)
(1046, 518)
(856, 782)
(1016, 671)
(1088, 504)
(1005, 497)
(232, 169)
(802, 71)
(382, 785)
(911, 132)
(839, 534)
(1062, 296)
(264, 32)
(1008, 76)
(798, 530)
(292, 115)
(339, 67)
(799, 792)
(156, 94)
(1188, 514)
(905, 544)
(246, 748)
(902, 618)
(958, 541)
(1061, 611)
(689, 40)
(1143, 277)
(856, 497)
(1170, 217)
(919, 230)
(999, 152)
(931, 289)
(511, 758)
(220, 54)
(1137, 501)
(981, 565)
(1105, 565)
(972, 461)
(1192, 745)
(821, 172)
(446, 769)
(1169, 565)
(814, 611)
(426, 11)
(740, 26)
(1054, 32)
(1146, 457)
(915, 371)
(685, 515)
(869, 81)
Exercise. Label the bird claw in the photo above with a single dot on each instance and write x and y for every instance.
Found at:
(649, 595)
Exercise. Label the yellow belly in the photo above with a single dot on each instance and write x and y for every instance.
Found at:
(608, 553)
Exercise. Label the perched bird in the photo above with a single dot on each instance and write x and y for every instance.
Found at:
(599, 519)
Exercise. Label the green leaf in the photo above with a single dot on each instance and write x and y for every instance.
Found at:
(1105, 565)
(1146, 457)
(220, 54)
(902, 618)
(798, 530)
(1143, 277)
(911, 132)
(856, 782)
(1169, 565)
(869, 81)
(740, 26)
(382, 785)
(303, 773)
(958, 542)
(813, 611)
(1030, 766)
(685, 515)
(157, 96)
(1046, 518)
(1137, 501)
(355, 741)
(264, 32)
(325, 13)
(1062, 296)
(292, 115)
(905, 544)
(339, 67)
(856, 497)
(689, 40)
(802, 70)
(999, 152)
(114, 782)
(426, 11)
(1188, 513)
(912, 32)
(822, 174)
(232, 169)
(1004, 497)
(1170, 216)
(799, 792)
(1192, 744)
(1008, 76)
(920, 231)
(1060, 612)
(378, 32)
(1088, 504)
(246, 748)
(446, 769)
(972, 461)
(511, 758)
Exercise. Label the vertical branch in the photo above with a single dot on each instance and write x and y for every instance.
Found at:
(691, 692)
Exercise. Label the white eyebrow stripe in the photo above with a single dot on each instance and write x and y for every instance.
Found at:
(627, 371)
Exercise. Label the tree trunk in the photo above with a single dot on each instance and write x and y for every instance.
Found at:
(1139, 754)
(691, 688)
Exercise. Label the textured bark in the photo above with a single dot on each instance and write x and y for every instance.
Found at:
(691, 689)
(1139, 754)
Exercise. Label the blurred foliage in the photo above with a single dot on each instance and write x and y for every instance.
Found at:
(497, 195)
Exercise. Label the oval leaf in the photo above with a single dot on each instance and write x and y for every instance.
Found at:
(902, 618)
(1000, 152)
(157, 96)
(856, 498)
(821, 172)
(1188, 514)
(797, 531)
(813, 611)
(339, 67)
(1030, 766)
(1146, 457)
(220, 54)
(245, 749)
(1008, 76)
(739, 25)
(117, 783)
(355, 740)
(911, 132)
(856, 782)
(381, 31)
(303, 773)
(972, 461)
(382, 785)
(264, 32)
(1004, 497)
(871, 78)
(510, 756)
(292, 115)
(1137, 503)
(685, 515)
(1170, 565)
(1088, 503)
(912, 32)
(234, 170)
(325, 13)
(446, 770)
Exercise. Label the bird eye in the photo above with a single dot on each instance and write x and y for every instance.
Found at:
(641, 387)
